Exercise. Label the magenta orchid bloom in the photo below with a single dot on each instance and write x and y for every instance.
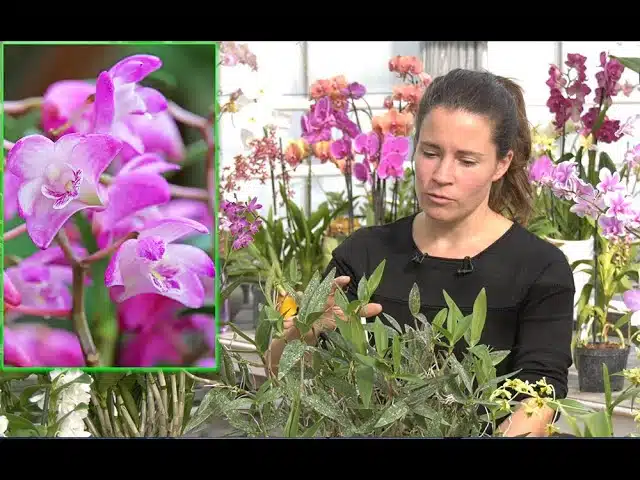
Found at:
(11, 294)
(137, 186)
(59, 179)
(31, 345)
(118, 96)
(10, 192)
(68, 104)
(153, 264)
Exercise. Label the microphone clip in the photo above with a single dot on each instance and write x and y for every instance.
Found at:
(467, 266)
(419, 257)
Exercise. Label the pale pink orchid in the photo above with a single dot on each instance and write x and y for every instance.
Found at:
(152, 263)
(59, 179)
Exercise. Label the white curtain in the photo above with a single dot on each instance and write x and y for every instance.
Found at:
(441, 57)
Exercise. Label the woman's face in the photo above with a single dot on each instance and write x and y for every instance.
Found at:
(456, 163)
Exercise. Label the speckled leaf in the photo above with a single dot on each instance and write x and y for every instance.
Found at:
(414, 300)
(392, 414)
(291, 355)
(327, 409)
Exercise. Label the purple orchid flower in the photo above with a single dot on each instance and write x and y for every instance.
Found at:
(153, 264)
(59, 179)
(11, 294)
(118, 96)
(67, 103)
(34, 345)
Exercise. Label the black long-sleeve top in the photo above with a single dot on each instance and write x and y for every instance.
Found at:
(528, 282)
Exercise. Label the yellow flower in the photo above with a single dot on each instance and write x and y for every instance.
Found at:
(287, 306)
(633, 375)
(586, 142)
(551, 429)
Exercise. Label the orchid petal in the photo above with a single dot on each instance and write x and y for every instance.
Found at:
(28, 194)
(148, 163)
(193, 258)
(29, 156)
(152, 347)
(144, 311)
(155, 102)
(171, 229)
(61, 102)
(159, 134)
(130, 138)
(104, 106)
(44, 222)
(14, 353)
(11, 294)
(131, 193)
(94, 154)
(135, 68)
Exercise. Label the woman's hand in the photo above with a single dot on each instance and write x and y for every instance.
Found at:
(327, 321)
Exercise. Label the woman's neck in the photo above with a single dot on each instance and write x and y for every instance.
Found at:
(468, 237)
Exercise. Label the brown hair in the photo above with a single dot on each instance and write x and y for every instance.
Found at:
(501, 100)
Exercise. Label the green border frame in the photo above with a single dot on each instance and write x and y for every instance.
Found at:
(217, 286)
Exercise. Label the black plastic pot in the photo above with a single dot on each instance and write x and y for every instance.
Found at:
(590, 370)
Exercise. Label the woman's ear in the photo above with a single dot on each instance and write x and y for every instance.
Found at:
(503, 165)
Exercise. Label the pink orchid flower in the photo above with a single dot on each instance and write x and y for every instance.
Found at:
(11, 294)
(58, 179)
(118, 96)
(34, 345)
(138, 185)
(153, 264)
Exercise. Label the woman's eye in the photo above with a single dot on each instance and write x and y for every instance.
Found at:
(428, 154)
(468, 163)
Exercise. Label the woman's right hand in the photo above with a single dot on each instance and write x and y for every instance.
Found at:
(327, 321)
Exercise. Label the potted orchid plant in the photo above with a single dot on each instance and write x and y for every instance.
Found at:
(595, 189)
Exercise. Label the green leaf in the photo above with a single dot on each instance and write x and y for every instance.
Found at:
(381, 337)
(364, 380)
(498, 356)
(316, 298)
(363, 290)
(17, 422)
(440, 317)
(214, 403)
(293, 422)
(329, 410)
(263, 335)
(376, 277)
(461, 328)
(313, 429)
(291, 355)
(479, 317)
(598, 424)
(396, 355)
(392, 321)
(454, 314)
(392, 414)
(414, 300)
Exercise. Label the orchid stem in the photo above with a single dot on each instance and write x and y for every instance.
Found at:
(205, 126)
(78, 315)
(39, 312)
(15, 232)
(16, 108)
(190, 193)
(105, 252)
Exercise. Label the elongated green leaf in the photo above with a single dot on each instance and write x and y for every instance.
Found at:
(414, 300)
(293, 353)
(313, 429)
(393, 322)
(364, 380)
(598, 424)
(363, 290)
(380, 336)
(376, 277)
(325, 408)
(396, 355)
(392, 414)
(293, 422)
(479, 317)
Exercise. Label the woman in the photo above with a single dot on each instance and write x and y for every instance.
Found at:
(471, 149)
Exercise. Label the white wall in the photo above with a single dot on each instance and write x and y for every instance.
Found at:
(286, 69)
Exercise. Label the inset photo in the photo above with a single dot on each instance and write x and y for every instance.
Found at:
(109, 188)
